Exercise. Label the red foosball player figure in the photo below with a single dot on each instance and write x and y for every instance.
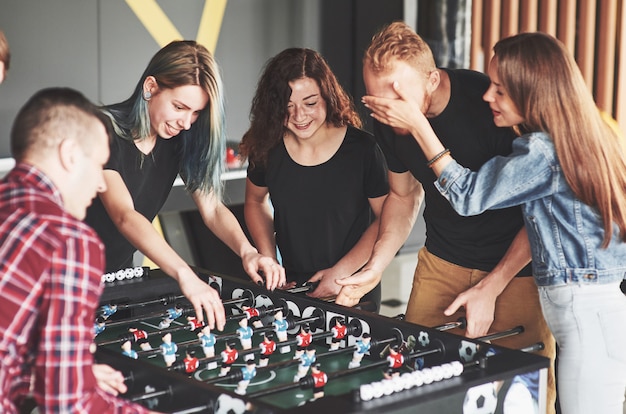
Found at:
(252, 314)
(319, 381)
(194, 324)
(268, 346)
(303, 340)
(396, 360)
(191, 362)
(229, 356)
(140, 338)
(339, 332)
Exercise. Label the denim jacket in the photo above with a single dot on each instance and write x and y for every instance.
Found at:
(565, 234)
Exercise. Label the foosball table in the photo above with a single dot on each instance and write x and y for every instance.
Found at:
(284, 352)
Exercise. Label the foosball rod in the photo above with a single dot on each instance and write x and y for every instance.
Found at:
(460, 323)
(153, 394)
(499, 335)
(247, 297)
(318, 316)
(290, 362)
(131, 337)
(305, 382)
(139, 318)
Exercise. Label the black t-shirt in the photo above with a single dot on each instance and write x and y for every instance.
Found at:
(149, 179)
(321, 211)
(466, 127)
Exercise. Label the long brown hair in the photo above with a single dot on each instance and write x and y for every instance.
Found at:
(180, 63)
(546, 86)
(269, 105)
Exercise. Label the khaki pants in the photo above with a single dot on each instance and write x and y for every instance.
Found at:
(437, 283)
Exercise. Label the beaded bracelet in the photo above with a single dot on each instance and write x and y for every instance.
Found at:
(437, 157)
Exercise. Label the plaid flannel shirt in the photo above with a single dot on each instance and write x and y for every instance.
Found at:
(50, 270)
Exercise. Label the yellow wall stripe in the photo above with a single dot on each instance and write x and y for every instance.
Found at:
(211, 23)
(163, 31)
(155, 21)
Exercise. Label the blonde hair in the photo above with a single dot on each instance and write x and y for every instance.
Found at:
(5, 52)
(397, 41)
(546, 86)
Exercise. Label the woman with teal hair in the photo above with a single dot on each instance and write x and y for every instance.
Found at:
(172, 124)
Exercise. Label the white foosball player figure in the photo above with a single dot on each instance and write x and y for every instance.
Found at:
(280, 327)
(363, 346)
(306, 360)
(248, 372)
(168, 349)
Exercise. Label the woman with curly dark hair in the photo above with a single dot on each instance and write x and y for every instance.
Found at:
(326, 178)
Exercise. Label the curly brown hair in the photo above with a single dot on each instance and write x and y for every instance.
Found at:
(269, 105)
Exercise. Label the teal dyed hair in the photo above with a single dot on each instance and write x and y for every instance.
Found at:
(181, 63)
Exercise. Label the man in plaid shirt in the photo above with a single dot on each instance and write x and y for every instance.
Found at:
(51, 262)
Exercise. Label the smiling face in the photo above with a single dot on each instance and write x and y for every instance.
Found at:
(174, 110)
(505, 113)
(306, 110)
(380, 84)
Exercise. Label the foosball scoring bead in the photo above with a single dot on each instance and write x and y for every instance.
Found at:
(140, 271)
(407, 380)
(366, 392)
(448, 371)
(388, 387)
(120, 275)
(457, 368)
(427, 375)
(129, 273)
(398, 384)
(418, 378)
(379, 389)
(437, 373)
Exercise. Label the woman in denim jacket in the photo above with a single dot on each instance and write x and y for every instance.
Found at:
(568, 171)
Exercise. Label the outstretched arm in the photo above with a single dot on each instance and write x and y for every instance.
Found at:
(223, 223)
(260, 222)
(397, 219)
(142, 234)
(350, 263)
(480, 300)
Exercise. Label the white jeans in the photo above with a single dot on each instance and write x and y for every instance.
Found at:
(589, 325)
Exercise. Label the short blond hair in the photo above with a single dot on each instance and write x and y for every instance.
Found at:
(398, 41)
(5, 53)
